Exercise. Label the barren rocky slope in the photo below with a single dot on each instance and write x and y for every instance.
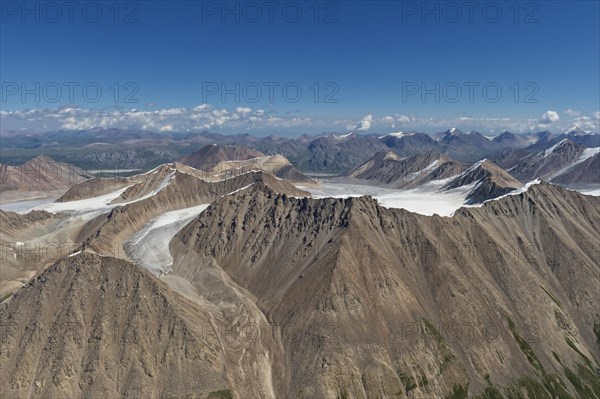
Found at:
(489, 180)
(95, 187)
(41, 173)
(90, 326)
(19, 259)
(208, 156)
(547, 163)
(363, 301)
(388, 168)
(585, 172)
(225, 160)
(168, 188)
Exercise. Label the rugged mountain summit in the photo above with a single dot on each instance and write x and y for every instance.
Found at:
(170, 188)
(585, 172)
(93, 326)
(511, 140)
(574, 134)
(361, 298)
(227, 160)
(41, 174)
(208, 156)
(390, 169)
(489, 180)
(549, 163)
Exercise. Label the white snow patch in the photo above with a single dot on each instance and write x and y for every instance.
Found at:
(233, 176)
(95, 205)
(240, 189)
(250, 160)
(166, 181)
(474, 166)
(149, 247)
(423, 171)
(396, 134)
(554, 147)
(595, 192)
(426, 199)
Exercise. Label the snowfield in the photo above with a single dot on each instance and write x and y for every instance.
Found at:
(90, 207)
(426, 200)
(149, 247)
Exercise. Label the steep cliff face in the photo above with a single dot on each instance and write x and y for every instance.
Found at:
(366, 301)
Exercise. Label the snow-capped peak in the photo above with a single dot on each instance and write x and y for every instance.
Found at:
(576, 131)
(474, 166)
(452, 129)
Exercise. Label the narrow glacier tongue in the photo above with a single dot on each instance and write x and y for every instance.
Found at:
(149, 247)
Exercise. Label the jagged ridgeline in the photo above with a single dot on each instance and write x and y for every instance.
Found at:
(277, 296)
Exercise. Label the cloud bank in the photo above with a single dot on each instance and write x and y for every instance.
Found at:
(208, 117)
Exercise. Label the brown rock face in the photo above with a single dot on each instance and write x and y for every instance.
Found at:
(546, 163)
(226, 160)
(208, 156)
(175, 190)
(388, 168)
(491, 182)
(41, 174)
(99, 327)
(586, 172)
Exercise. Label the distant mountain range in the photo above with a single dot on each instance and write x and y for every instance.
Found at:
(327, 153)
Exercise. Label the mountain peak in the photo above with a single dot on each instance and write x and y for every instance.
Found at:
(454, 131)
(576, 131)
(210, 155)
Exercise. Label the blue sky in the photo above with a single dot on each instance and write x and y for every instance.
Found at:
(369, 63)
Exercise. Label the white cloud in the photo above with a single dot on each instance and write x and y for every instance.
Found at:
(389, 120)
(571, 112)
(404, 119)
(586, 123)
(365, 123)
(550, 117)
(207, 117)
(201, 107)
(243, 110)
